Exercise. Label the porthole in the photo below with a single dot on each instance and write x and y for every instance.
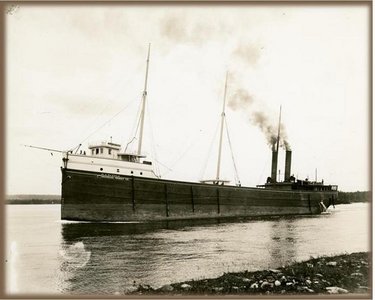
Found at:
(101, 169)
(141, 173)
(118, 170)
(131, 172)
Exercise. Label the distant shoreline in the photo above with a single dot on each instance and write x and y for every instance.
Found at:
(344, 198)
(33, 199)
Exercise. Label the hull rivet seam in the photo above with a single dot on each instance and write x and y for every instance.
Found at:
(166, 200)
(133, 194)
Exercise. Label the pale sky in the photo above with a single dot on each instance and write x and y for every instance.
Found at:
(71, 68)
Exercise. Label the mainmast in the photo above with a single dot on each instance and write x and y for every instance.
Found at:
(144, 95)
(221, 130)
(275, 153)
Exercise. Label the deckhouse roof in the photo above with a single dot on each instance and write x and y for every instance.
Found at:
(105, 145)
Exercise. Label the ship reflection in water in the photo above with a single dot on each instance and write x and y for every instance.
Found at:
(107, 258)
(117, 257)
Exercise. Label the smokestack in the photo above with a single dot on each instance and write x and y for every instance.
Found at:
(288, 164)
(274, 165)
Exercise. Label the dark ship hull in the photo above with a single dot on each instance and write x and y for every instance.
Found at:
(93, 196)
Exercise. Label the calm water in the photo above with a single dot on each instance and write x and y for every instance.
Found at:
(47, 256)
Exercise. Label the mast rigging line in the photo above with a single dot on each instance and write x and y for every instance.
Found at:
(111, 92)
(142, 109)
(144, 96)
(221, 129)
(105, 123)
(260, 181)
(175, 162)
(109, 100)
(42, 148)
(210, 150)
(135, 130)
(153, 144)
(236, 176)
(165, 166)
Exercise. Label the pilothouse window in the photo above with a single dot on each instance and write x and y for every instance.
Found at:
(97, 150)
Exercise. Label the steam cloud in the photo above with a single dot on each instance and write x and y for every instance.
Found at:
(248, 53)
(242, 100)
(178, 30)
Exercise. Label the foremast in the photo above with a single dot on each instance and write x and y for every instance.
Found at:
(144, 96)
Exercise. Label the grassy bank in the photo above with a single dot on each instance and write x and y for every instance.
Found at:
(324, 275)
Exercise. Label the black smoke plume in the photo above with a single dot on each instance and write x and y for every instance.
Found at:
(241, 99)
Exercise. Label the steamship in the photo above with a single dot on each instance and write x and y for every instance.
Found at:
(109, 184)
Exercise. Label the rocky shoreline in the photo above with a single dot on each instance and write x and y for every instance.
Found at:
(340, 274)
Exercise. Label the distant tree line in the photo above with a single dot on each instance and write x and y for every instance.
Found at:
(33, 199)
(353, 197)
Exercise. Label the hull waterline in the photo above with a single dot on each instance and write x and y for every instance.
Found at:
(93, 196)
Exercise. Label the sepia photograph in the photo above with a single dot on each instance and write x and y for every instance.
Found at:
(188, 149)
